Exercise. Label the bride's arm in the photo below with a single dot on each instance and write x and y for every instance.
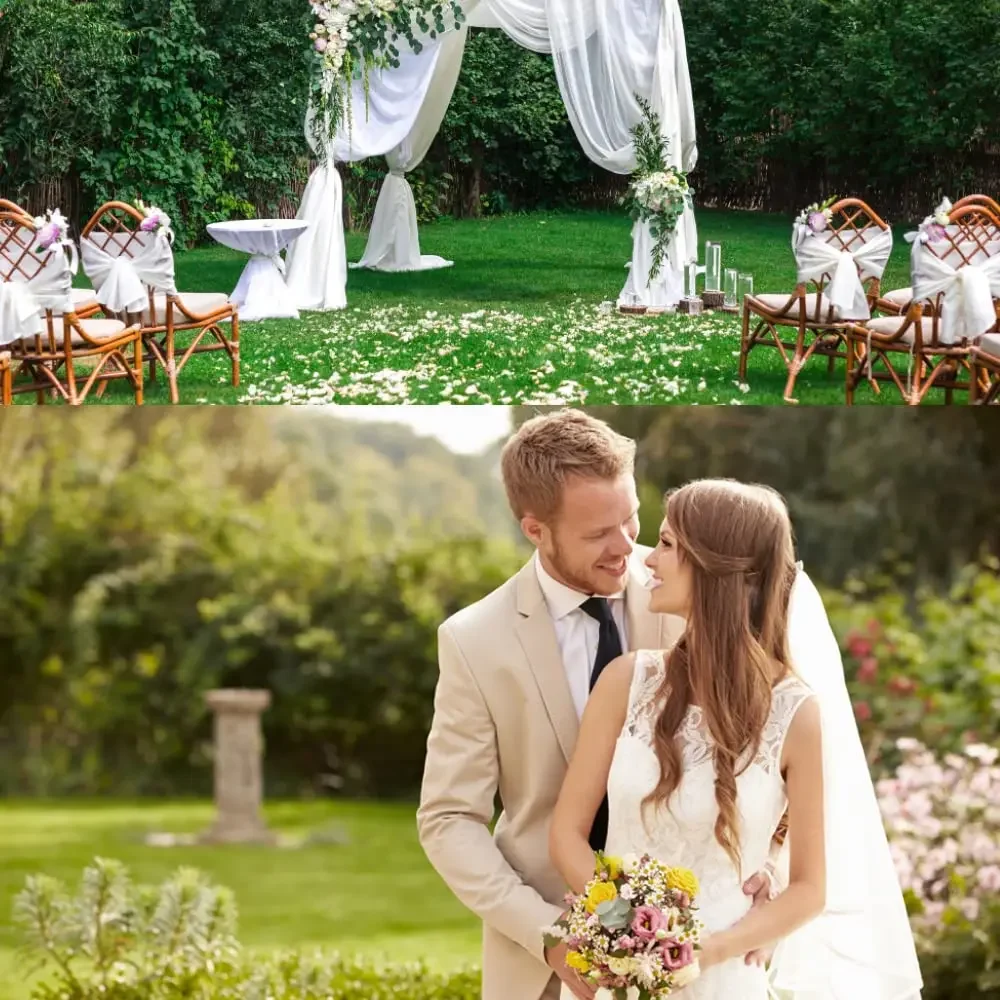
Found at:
(586, 779)
(805, 896)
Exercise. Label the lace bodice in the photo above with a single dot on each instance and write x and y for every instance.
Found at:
(684, 833)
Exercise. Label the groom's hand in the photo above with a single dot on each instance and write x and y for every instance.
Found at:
(556, 958)
(759, 887)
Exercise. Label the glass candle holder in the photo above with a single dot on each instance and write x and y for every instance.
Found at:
(744, 286)
(730, 289)
(713, 267)
(691, 280)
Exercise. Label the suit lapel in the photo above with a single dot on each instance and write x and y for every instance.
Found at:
(537, 636)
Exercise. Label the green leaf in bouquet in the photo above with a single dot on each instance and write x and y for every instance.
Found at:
(614, 914)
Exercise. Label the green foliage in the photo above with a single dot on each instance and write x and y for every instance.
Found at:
(927, 669)
(964, 958)
(143, 567)
(116, 940)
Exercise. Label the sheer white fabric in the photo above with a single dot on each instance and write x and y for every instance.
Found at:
(861, 947)
(23, 301)
(819, 254)
(967, 308)
(393, 241)
(316, 263)
(604, 51)
(121, 280)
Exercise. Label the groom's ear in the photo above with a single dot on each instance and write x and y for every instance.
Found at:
(533, 529)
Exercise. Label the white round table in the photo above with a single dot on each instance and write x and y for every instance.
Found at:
(261, 292)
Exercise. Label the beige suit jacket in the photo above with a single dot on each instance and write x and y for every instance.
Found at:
(504, 721)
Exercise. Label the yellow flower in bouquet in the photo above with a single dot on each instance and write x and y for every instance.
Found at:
(614, 866)
(600, 892)
(683, 880)
(576, 961)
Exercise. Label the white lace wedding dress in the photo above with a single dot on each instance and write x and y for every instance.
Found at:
(685, 836)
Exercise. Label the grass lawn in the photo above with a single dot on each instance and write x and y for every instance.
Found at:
(518, 319)
(400, 910)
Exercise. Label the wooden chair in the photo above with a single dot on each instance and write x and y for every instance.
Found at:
(982, 222)
(115, 230)
(5, 379)
(46, 362)
(984, 358)
(84, 300)
(874, 347)
(807, 313)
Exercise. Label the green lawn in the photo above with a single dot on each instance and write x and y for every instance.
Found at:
(517, 319)
(400, 909)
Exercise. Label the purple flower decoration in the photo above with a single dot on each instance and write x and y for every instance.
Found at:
(935, 232)
(817, 222)
(48, 235)
(321, 44)
(150, 224)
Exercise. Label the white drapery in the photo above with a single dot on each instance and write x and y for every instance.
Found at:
(605, 52)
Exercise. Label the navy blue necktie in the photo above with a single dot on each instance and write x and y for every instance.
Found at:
(609, 646)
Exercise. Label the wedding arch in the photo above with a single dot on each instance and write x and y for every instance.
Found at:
(609, 56)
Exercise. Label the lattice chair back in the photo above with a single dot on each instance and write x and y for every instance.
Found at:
(36, 279)
(126, 260)
(844, 259)
(956, 270)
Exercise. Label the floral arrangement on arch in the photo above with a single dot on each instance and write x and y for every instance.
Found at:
(353, 37)
(658, 193)
(632, 934)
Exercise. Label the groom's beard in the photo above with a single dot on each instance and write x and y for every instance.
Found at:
(590, 581)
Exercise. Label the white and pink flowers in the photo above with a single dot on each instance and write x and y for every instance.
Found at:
(943, 822)
(816, 218)
(155, 221)
(51, 230)
(353, 37)
(633, 932)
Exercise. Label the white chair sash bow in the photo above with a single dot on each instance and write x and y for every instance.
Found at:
(816, 256)
(967, 309)
(121, 280)
(23, 302)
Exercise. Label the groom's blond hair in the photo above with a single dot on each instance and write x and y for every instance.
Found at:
(550, 449)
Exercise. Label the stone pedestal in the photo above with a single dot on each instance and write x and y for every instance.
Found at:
(239, 786)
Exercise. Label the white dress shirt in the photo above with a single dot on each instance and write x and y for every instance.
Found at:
(576, 631)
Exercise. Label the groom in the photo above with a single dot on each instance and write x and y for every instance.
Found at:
(516, 669)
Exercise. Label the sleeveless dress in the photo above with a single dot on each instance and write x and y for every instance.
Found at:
(684, 836)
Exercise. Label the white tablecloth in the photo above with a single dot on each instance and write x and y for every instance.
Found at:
(261, 292)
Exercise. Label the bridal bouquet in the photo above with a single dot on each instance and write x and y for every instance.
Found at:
(633, 933)
(658, 193)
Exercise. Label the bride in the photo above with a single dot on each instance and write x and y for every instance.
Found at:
(703, 750)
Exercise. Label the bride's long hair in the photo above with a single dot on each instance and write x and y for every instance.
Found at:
(737, 541)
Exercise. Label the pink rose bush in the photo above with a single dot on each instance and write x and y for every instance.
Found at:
(943, 822)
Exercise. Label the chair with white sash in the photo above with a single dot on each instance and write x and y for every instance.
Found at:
(46, 339)
(979, 223)
(840, 257)
(84, 300)
(955, 272)
(130, 260)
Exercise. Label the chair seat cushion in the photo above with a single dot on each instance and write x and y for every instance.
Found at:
(199, 303)
(990, 345)
(776, 302)
(888, 327)
(900, 297)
